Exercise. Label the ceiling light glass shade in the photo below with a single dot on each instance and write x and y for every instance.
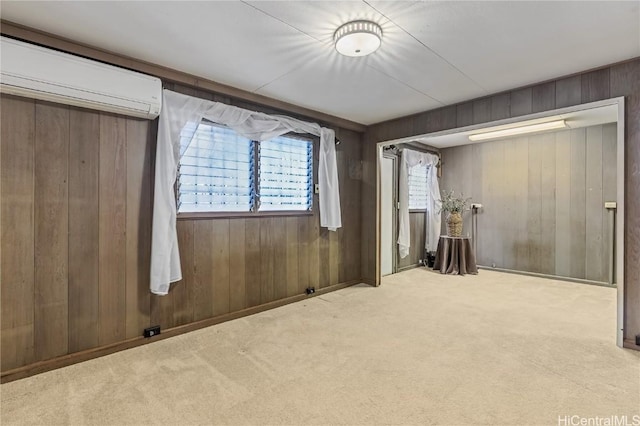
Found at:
(358, 38)
(532, 128)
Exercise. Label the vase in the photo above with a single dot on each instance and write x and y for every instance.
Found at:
(454, 224)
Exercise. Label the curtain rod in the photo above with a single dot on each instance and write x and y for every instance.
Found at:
(415, 148)
(423, 148)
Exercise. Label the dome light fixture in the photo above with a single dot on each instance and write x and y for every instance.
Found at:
(358, 38)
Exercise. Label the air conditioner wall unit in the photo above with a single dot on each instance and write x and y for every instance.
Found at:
(37, 72)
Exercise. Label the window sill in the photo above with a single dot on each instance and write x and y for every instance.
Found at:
(240, 215)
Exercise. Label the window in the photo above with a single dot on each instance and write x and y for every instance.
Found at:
(221, 171)
(216, 170)
(285, 170)
(418, 188)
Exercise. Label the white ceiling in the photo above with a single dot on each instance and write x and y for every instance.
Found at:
(432, 54)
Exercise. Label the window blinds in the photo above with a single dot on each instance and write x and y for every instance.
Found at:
(286, 174)
(216, 170)
(418, 187)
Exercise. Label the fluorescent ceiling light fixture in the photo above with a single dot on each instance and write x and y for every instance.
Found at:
(358, 38)
(520, 130)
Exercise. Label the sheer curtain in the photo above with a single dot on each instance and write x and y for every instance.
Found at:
(177, 111)
(409, 159)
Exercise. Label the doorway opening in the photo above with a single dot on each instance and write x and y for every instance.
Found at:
(551, 203)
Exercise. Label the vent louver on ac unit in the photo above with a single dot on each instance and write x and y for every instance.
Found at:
(41, 73)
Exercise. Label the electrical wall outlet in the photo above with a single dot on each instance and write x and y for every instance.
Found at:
(151, 331)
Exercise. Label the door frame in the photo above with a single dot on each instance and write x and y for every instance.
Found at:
(394, 217)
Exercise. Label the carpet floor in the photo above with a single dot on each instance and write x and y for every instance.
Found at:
(423, 348)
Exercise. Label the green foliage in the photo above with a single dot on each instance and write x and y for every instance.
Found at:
(453, 204)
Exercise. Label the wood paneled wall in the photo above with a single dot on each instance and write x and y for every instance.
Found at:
(76, 200)
(76, 204)
(416, 249)
(616, 80)
(543, 199)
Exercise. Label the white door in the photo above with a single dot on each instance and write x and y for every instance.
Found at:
(387, 215)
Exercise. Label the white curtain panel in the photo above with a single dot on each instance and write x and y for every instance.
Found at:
(409, 159)
(177, 111)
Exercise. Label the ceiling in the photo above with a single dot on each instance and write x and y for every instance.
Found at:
(432, 53)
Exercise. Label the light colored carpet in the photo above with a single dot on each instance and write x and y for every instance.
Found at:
(422, 349)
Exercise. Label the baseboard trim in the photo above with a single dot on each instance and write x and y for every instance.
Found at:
(548, 276)
(630, 344)
(406, 268)
(86, 355)
(367, 281)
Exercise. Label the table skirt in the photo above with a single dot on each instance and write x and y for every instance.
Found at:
(455, 256)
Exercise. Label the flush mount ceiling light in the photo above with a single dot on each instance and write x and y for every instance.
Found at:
(358, 38)
(531, 128)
